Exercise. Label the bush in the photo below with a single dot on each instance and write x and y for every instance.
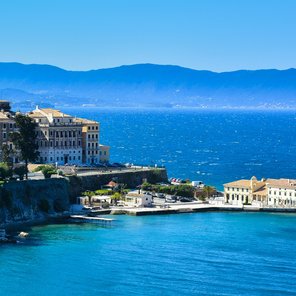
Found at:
(48, 170)
(5, 171)
(20, 171)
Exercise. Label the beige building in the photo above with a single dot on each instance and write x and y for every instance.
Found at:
(92, 151)
(7, 126)
(59, 136)
(245, 191)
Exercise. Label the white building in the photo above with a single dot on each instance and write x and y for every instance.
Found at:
(281, 192)
(135, 199)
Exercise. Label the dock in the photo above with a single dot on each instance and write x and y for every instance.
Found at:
(82, 218)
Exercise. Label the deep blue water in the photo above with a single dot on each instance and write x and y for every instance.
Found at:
(213, 146)
(186, 254)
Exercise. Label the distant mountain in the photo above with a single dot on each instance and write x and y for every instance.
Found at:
(147, 85)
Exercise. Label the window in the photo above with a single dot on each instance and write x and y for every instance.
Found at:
(74, 134)
(58, 158)
(78, 157)
(10, 125)
(79, 143)
(50, 158)
(105, 152)
(74, 143)
(57, 144)
(70, 134)
(4, 125)
(4, 135)
(57, 134)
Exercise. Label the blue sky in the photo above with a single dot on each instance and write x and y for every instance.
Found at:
(218, 35)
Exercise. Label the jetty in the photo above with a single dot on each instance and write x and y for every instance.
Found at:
(82, 218)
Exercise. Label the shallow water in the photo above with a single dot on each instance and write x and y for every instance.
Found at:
(186, 254)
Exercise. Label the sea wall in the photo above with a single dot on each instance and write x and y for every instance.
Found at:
(132, 178)
(38, 200)
(32, 200)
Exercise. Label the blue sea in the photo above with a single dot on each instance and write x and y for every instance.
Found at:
(212, 146)
(187, 254)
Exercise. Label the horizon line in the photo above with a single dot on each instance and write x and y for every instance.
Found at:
(147, 63)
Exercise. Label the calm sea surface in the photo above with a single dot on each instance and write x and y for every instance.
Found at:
(186, 254)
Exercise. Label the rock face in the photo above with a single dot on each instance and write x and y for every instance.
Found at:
(32, 200)
(36, 200)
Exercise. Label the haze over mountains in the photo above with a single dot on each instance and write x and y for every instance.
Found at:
(146, 85)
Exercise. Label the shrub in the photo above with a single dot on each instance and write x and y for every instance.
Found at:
(5, 171)
(48, 170)
(20, 171)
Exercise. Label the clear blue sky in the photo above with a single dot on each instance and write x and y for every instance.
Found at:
(219, 35)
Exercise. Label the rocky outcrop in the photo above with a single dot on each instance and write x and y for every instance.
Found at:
(31, 200)
(38, 200)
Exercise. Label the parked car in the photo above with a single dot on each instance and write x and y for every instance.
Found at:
(185, 199)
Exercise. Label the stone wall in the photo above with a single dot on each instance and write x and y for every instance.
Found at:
(131, 178)
(34, 200)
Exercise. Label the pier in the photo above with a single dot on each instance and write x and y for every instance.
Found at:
(82, 218)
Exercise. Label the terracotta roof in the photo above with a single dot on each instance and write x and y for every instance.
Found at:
(239, 183)
(46, 112)
(282, 183)
(85, 121)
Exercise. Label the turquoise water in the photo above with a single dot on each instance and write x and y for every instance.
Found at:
(190, 254)
(186, 254)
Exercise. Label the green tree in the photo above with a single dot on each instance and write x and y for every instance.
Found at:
(48, 170)
(20, 171)
(116, 197)
(25, 139)
(89, 194)
(208, 191)
(7, 155)
(5, 171)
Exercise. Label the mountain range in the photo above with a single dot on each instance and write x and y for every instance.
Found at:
(146, 85)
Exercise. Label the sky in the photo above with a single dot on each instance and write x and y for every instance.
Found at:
(217, 35)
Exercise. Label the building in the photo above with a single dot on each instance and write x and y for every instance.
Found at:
(59, 136)
(281, 192)
(7, 126)
(64, 139)
(92, 151)
(245, 191)
(267, 192)
(135, 199)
